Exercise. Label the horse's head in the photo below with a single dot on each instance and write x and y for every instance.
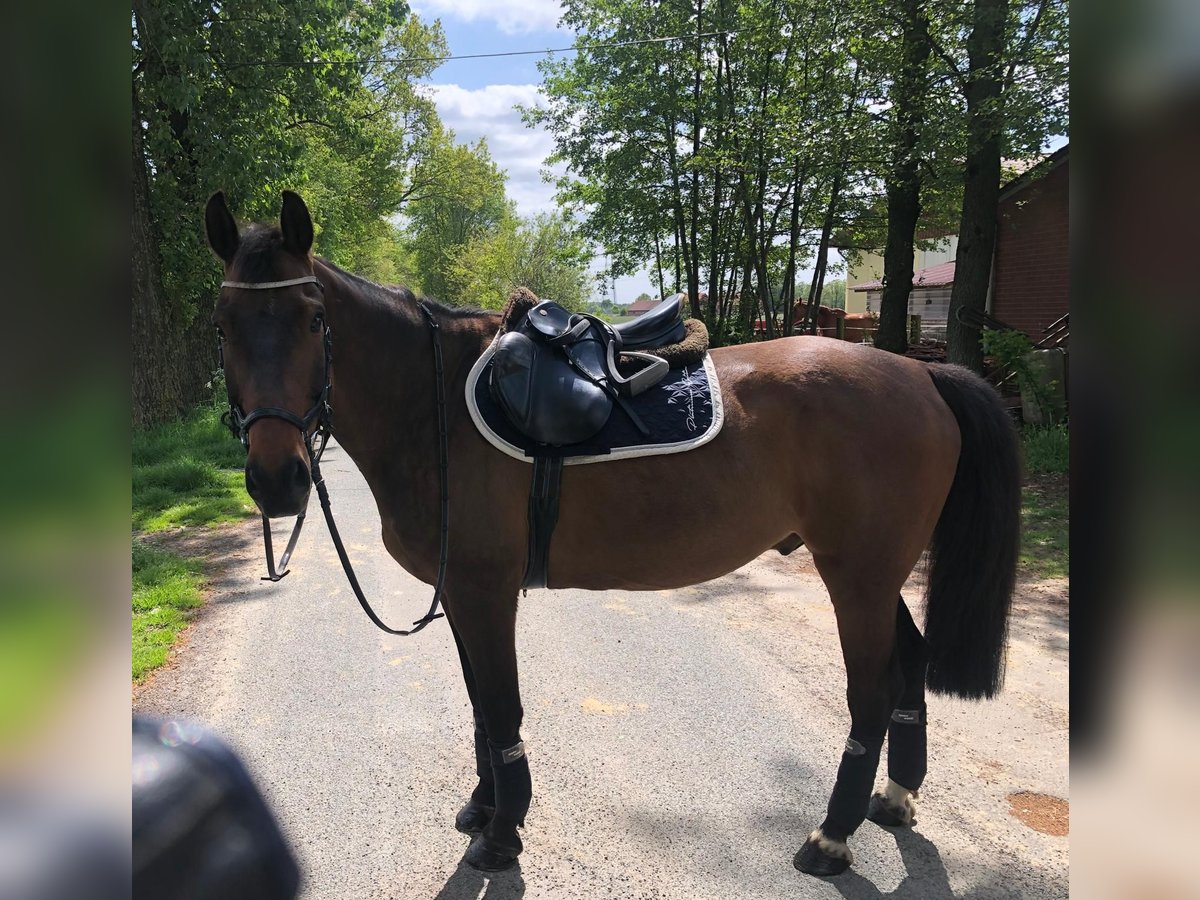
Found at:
(270, 315)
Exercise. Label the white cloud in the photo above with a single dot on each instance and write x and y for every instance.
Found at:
(512, 17)
(490, 112)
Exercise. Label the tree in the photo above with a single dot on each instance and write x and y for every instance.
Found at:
(545, 254)
(725, 162)
(833, 294)
(460, 200)
(903, 180)
(225, 96)
(1014, 85)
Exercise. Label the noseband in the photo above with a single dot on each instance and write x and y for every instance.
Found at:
(321, 414)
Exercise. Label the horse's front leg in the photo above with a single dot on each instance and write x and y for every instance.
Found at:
(487, 631)
(481, 806)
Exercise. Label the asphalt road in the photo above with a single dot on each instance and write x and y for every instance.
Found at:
(682, 743)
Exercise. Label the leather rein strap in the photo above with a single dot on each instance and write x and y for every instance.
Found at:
(322, 414)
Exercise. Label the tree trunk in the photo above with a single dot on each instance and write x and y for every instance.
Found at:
(170, 362)
(981, 184)
(662, 284)
(788, 300)
(904, 181)
(818, 279)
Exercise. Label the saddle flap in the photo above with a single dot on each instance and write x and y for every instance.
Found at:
(543, 396)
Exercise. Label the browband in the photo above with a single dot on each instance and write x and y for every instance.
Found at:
(268, 285)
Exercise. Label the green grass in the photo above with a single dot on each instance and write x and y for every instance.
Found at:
(188, 473)
(165, 588)
(1045, 517)
(1047, 450)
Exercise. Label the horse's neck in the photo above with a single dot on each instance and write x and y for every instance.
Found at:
(384, 389)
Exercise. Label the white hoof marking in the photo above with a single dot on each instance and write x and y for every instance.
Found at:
(900, 801)
(834, 848)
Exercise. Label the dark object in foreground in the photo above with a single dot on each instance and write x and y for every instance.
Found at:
(200, 827)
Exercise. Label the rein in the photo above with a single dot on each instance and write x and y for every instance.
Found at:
(321, 413)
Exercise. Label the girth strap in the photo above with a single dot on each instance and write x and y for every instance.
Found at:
(543, 516)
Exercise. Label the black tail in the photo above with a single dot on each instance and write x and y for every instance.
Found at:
(973, 558)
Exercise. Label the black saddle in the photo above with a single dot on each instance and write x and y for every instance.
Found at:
(555, 372)
(661, 326)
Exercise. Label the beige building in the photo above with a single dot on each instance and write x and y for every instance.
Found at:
(866, 267)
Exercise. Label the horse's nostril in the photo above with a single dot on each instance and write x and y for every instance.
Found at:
(300, 474)
(251, 482)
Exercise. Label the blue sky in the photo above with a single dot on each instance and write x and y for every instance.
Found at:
(476, 97)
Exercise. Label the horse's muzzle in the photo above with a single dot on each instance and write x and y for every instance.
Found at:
(279, 491)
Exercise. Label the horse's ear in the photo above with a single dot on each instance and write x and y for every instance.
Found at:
(221, 228)
(296, 224)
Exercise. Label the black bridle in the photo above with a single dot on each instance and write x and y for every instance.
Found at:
(316, 439)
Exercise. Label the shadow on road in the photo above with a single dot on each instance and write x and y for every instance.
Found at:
(467, 883)
(926, 877)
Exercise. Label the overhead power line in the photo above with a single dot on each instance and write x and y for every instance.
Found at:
(574, 48)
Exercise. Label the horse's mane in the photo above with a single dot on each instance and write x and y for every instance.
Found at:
(390, 293)
(255, 262)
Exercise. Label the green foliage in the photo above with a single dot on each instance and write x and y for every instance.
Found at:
(1007, 345)
(188, 473)
(1047, 450)
(165, 587)
(1011, 349)
(458, 199)
(212, 117)
(833, 294)
(605, 309)
(544, 254)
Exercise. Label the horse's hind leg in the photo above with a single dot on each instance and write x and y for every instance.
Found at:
(866, 617)
(481, 806)
(906, 732)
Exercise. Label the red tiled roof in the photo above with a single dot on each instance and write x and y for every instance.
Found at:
(935, 276)
(643, 305)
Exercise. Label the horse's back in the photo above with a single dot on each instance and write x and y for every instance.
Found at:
(819, 436)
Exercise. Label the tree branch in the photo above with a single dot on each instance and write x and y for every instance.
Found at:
(1026, 42)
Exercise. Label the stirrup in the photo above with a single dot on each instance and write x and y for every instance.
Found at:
(640, 381)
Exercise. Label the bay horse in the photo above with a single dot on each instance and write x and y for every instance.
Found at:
(939, 471)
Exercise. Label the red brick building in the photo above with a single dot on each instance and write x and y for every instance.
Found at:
(1030, 278)
(641, 307)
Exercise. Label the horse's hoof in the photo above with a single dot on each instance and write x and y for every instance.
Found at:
(893, 808)
(473, 817)
(821, 856)
(488, 856)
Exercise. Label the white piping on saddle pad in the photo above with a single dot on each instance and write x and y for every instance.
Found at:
(624, 452)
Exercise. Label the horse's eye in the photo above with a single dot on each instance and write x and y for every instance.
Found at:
(317, 322)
